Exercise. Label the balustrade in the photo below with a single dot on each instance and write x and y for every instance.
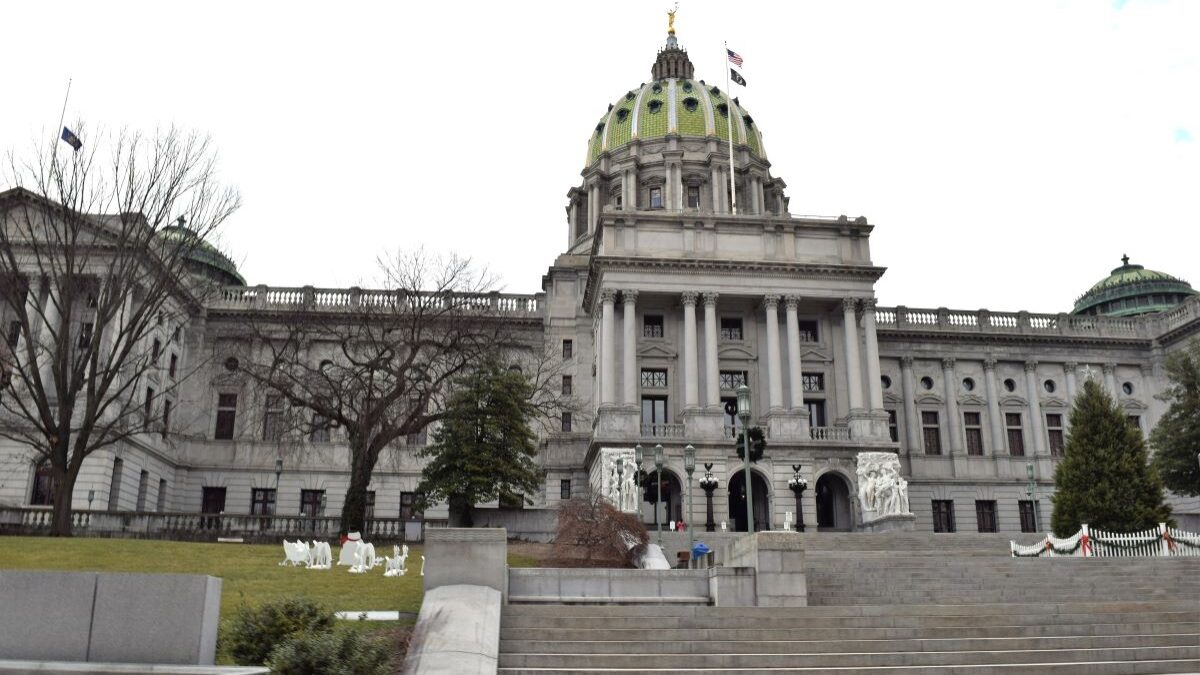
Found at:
(829, 433)
(349, 299)
(662, 431)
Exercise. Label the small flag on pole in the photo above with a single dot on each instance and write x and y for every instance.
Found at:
(732, 73)
(734, 57)
(71, 139)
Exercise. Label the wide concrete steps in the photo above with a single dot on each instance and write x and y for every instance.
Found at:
(1057, 638)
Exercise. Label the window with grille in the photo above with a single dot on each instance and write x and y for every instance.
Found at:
(693, 196)
(816, 413)
(226, 416)
(893, 426)
(1016, 439)
(1135, 420)
(931, 432)
(566, 422)
(564, 488)
(985, 515)
(654, 377)
(1028, 509)
(310, 502)
(369, 510)
(114, 486)
(143, 487)
(1054, 433)
(814, 383)
(566, 385)
(654, 410)
(262, 501)
(408, 507)
(43, 486)
(417, 438)
(320, 429)
(943, 515)
(161, 501)
(273, 418)
(973, 428)
(652, 325)
(732, 379)
(731, 328)
(808, 330)
(568, 349)
(656, 198)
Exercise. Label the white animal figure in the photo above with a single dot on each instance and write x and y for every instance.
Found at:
(296, 553)
(395, 566)
(364, 558)
(321, 556)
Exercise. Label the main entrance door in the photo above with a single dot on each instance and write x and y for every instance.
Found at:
(737, 502)
(833, 504)
(671, 507)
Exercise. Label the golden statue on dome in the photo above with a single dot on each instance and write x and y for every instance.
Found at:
(671, 20)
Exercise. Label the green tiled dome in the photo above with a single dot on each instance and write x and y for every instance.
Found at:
(205, 258)
(1131, 290)
(679, 106)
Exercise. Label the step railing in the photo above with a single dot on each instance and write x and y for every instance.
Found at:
(1156, 542)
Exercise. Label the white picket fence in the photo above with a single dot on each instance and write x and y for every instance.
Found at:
(1156, 542)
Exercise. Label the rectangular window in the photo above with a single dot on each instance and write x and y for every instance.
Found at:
(1016, 440)
(731, 328)
(417, 438)
(369, 510)
(155, 351)
(808, 330)
(1135, 420)
(143, 486)
(1054, 433)
(816, 413)
(320, 429)
(226, 415)
(114, 486)
(943, 515)
(566, 385)
(161, 501)
(564, 488)
(1028, 522)
(973, 427)
(619, 202)
(311, 503)
(408, 509)
(656, 198)
(85, 335)
(14, 334)
(262, 501)
(173, 365)
(566, 422)
(985, 515)
(149, 405)
(814, 383)
(652, 325)
(893, 427)
(166, 429)
(931, 432)
(730, 380)
(693, 196)
(654, 377)
(212, 500)
(654, 410)
(273, 418)
(568, 349)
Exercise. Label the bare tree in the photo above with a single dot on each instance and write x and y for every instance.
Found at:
(95, 255)
(591, 531)
(379, 364)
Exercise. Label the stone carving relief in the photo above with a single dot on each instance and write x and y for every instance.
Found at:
(619, 487)
(881, 489)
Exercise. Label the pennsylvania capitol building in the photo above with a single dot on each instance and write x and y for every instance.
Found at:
(665, 301)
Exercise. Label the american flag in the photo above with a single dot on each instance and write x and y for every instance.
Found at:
(734, 57)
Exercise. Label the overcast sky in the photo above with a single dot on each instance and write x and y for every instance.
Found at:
(1008, 152)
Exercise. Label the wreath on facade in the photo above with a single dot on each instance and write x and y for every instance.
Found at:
(758, 444)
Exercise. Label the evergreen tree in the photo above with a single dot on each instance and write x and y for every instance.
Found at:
(1105, 479)
(484, 449)
(1176, 438)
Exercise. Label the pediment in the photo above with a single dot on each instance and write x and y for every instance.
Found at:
(814, 355)
(889, 397)
(736, 352)
(658, 350)
(971, 399)
(929, 399)
(1012, 400)
(1054, 402)
(1133, 404)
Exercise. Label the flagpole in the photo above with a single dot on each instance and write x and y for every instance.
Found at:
(729, 119)
(61, 118)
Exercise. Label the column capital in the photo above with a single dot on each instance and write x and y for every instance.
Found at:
(608, 295)
(629, 296)
(1031, 366)
(688, 298)
(989, 363)
(1109, 368)
(849, 304)
(948, 363)
(906, 362)
(770, 301)
(791, 301)
(1070, 367)
(710, 299)
(868, 304)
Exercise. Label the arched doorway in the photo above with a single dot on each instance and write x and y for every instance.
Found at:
(833, 504)
(671, 507)
(737, 502)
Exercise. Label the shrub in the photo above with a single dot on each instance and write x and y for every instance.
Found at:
(594, 527)
(344, 651)
(253, 632)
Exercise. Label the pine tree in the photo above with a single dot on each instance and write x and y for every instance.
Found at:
(1176, 438)
(1105, 479)
(485, 449)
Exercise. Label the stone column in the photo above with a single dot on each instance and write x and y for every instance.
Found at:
(1069, 369)
(573, 222)
(1035, 409)
(713, 189)
(774, 359)
(912, 423)
(669, 187)
(954, 426)
(795, 369)
(874, 381)
(1110, 379)
(51, 326)
(691, 383)
(629, 375)
(853, 372)
(760, 196)
(755, 203)
(995, 419)
(593, 207)
(607, 368)
(712, 376)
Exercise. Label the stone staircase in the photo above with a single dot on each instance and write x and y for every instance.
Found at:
(911, 603)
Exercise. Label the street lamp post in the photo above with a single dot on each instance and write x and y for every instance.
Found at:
(638, 456)
(278, 472)
(743, 413)
(797, 484)
(658, 467)
(689, 466)
(709, 485)
(1031, 490)
(620, 484)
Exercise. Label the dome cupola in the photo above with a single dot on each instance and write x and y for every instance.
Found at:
(1131, 290)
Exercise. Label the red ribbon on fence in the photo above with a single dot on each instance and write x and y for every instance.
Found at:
(1049, 546)
(1085, 544)
(1170, 542)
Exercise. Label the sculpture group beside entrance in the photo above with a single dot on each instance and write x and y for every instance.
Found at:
(618, 479)
(882, 491)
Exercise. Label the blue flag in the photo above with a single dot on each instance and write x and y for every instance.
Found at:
(71, 139)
